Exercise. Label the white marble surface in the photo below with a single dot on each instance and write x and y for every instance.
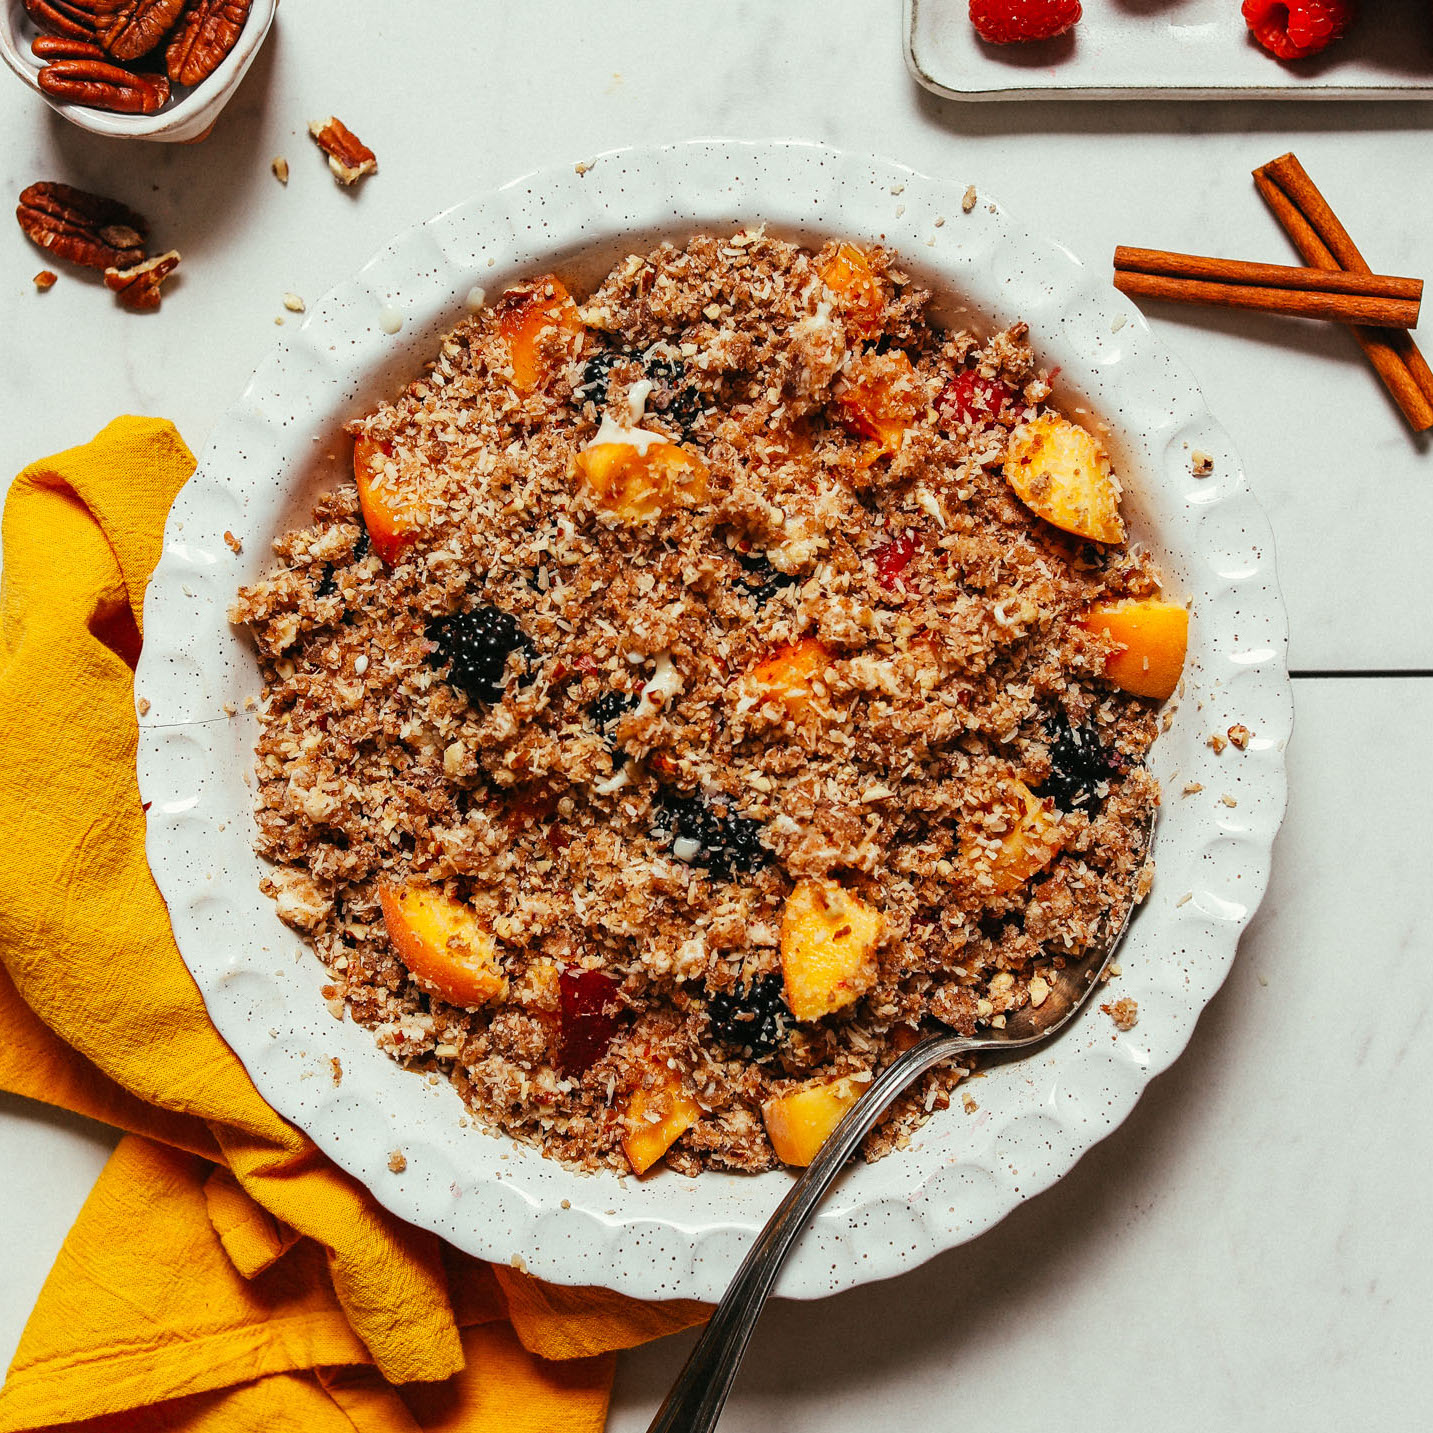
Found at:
(1246, 1249)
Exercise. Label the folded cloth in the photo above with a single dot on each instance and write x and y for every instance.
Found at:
(223, 1274)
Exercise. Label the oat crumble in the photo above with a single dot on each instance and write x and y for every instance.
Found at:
(669, 645)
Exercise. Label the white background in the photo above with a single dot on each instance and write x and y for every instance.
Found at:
(1251, 1249)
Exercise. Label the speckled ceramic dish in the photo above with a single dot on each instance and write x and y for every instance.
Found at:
(282, 442)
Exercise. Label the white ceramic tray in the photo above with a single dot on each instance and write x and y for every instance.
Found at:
(281, 443)
(1170, 49)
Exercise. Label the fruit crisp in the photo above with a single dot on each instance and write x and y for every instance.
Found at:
(702, 690)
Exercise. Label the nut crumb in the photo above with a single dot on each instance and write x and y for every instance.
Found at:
(142, 706)
(566, 1204)
(1184, 900)
(1200, 463)
(335, 1069)
(1239, 734)
(232, 542)
(518, 1263)
(349, 159)
(1125, 1013)
(397, 1161)
(968, 1103)
(1217, 743)
(1227, 800)
(1192, 788)
(46, 279)
(968, 200)
(582, 166)
(280, 167)
(293, 303)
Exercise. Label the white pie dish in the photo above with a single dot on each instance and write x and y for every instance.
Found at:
(668, 1235)
(187, 117)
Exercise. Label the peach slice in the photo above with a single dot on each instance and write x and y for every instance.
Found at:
(656, 1117)
(1153, 636)
(859, 294)
(1032, 839)
(828, 947)
(392, 518)
(786, 674)
(799, 1123)
(1058, 471)
(526, 314)
(636, 484)
(878, 398)
(441, 941)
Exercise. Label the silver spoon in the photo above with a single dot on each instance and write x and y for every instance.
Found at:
(700, 1392)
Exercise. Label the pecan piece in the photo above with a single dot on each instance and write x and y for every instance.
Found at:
(138, 288)
(103, 86)
(46, 279)
(84, 228)
(64, 47)
(348, 157)
(78, 19)
(138, 26)
(208, 31)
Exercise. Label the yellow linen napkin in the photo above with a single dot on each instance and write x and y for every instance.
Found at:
(223, 1275)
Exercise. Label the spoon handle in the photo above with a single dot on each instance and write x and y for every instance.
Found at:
(699, 1394)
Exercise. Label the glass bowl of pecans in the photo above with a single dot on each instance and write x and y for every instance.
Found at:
(135, 69)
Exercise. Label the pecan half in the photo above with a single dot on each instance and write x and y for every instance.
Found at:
(138, 288)
(79, 19)
(104, 86)
(138, 26)
(64, 47)
(84, 228)
(208, 31)
(348, 157)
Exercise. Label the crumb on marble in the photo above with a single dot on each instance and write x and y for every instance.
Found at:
(1200, 463)
(231, 542)
(968, 200)
(142, 706)
(1239, 736)
(397, 1161)
(1217, 743)
(335, 1069)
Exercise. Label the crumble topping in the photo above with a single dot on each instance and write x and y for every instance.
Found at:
(669, 635)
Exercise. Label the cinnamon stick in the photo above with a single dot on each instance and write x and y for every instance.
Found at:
(1274, 276)
(1323, 241)
(1297, 303)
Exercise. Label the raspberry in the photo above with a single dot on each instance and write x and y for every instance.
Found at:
(1006, 22)
(475, 647)
(1299, 28)
(892, 558)
(591, 1012)
(751, 1018)
(970, 397)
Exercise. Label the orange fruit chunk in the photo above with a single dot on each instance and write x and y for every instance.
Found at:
(1031, 841)
(786, 674)
(878, 398)
(799, 1123)
(828, 947)
(444, 946)
(526, 314)
(1058, 471)
(636, 484)
(391, 517)
(859, 293)
(655, 1118)
(1153, 637)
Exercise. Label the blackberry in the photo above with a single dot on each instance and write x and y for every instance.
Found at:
(670, 397)
(611, 706)
(1079, 762)
(726, 842)
(752, 1018)
(605, 711)
(361, 544)
(474, 646)
(326, 586)
(762, 580)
